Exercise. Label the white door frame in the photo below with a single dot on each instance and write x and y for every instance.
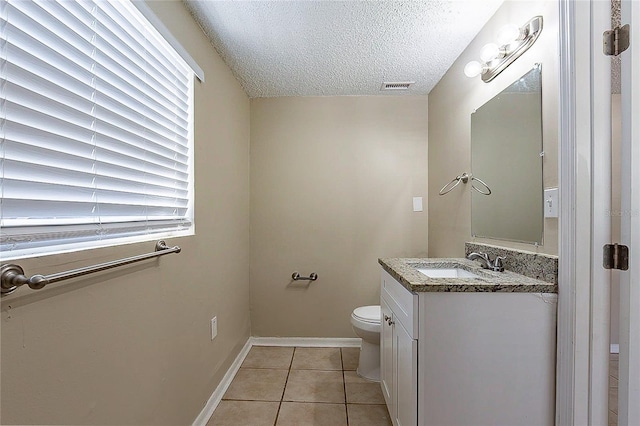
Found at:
(585, 185)
(629, 378)
(572, 385)
(600, 319)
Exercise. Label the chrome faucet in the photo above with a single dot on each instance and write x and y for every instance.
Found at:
(486, 262)
(484, 259)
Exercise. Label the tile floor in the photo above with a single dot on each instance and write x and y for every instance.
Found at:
(613, 389)
(301, 386)
(318, 386)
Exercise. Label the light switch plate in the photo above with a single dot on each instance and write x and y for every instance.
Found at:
(551, 202)
(214, 327)
(417, 204)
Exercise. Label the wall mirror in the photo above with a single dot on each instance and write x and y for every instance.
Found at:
(506, 153)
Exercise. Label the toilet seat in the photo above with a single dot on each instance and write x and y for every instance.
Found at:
(367, 314)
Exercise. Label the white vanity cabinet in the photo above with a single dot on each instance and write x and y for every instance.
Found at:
(399, 351)
(465, 357)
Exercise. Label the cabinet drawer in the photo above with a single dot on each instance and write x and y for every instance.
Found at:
(402, 302)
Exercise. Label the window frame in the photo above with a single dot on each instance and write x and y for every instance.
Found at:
(59, 246)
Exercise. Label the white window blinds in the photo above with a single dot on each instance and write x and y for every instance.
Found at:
(96, 126)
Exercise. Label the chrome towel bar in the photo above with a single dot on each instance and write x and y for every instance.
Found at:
(296, 277)
(12, 276)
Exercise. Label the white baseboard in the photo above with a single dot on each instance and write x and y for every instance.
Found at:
(217, 394)
(615, 348)
(310, 342)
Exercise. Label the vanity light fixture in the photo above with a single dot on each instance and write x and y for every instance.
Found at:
(514, 41)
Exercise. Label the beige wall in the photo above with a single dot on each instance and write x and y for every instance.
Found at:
(451, 103)
(133, 346)
(332, 181)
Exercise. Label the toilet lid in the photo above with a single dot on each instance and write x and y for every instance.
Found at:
(368, 313)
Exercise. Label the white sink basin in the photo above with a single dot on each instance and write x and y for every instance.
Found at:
(447, 273)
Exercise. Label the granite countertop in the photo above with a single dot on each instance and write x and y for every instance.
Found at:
(404, 270)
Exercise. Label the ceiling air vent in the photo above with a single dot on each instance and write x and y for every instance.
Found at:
(396, 85)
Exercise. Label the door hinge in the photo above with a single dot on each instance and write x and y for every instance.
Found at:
(615, 41)
(615, 256)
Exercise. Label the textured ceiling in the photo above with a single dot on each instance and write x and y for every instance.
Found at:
(332, 48)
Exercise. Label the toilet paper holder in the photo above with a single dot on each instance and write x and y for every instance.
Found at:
(296, 277)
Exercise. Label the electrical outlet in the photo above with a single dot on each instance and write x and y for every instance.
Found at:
(214, 327)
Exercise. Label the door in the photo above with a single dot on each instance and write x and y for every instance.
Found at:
(386, 356)
(629, 373)
(406, 369)
(584, 284)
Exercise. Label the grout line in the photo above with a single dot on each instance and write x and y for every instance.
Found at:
(315, 369)
(292, 356)
(248, 400)
(366, 403)
(286, 381)
(275, 421)
(307, 402)
(317, 402)
(344, 385)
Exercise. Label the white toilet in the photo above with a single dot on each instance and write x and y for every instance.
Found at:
(366, 324)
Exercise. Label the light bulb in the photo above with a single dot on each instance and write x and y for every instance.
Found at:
(489, 52)
(508, 34)
(473, 69)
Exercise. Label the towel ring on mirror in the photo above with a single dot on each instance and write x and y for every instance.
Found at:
(464, 178)
(487, 192)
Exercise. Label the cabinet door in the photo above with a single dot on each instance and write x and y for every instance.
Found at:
(386, 357)
(406, 375)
